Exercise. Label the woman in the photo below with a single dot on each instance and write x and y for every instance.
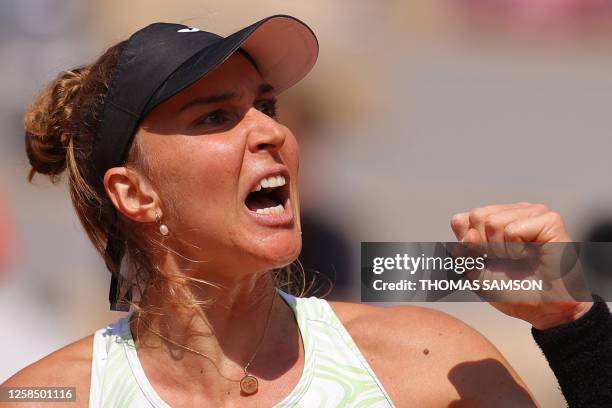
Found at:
(186, 183)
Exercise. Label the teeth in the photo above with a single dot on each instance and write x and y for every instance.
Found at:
(271, 210)
(270, 182)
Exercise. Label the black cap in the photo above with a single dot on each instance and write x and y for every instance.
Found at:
(162, 59)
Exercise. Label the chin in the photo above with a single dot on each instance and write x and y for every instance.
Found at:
(279, 252)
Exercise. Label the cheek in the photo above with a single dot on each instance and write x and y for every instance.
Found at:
(200, 177)
(291, 154)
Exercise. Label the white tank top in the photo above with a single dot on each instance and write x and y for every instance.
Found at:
(335, 373)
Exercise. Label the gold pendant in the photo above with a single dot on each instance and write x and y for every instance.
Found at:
(248, 384)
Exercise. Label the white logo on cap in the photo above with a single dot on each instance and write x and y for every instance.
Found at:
(188, 30)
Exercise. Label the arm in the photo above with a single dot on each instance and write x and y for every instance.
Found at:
(575, 336)
(69, 366)
(580, 355)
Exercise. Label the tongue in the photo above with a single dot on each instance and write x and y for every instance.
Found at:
(257, 201)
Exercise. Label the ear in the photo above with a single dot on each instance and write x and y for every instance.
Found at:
(131, 193)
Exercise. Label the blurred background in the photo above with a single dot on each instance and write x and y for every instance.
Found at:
(416, 110)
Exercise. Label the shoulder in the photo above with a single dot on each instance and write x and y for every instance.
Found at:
(420, 330)
(409, 326)
(69, 366)
(441, 359)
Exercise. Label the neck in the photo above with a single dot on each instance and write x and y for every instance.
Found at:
(237, 322)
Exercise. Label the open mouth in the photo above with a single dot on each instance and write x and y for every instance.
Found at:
(270, 196)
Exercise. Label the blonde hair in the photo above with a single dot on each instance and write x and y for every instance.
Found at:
(60, 127)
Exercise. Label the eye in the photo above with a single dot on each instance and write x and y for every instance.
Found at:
(217, 117)
(268, 107)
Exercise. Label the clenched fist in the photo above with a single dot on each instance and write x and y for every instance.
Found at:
(509, 230)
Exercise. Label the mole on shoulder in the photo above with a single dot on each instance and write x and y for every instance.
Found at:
(426, 351)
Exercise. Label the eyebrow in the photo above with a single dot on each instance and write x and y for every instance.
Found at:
(206, 100)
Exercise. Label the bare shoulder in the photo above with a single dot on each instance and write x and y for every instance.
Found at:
(69, 366)
(409, 326)
(426, 357)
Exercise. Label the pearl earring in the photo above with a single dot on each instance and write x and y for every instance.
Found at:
(163, 228)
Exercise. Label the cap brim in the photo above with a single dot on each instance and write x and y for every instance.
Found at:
(284, 49)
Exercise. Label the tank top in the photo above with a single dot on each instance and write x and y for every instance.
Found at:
(335, 373)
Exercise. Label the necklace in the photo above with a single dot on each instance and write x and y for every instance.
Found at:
(248, 383)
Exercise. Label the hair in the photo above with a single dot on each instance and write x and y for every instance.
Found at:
(60, 127)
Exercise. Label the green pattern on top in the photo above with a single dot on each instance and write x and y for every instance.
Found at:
(335, 373)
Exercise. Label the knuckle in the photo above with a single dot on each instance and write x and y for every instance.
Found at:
(457, 218)
(556, 217)
(477, 215)
(541, 207)
(511, 231)
(456, 221)
(491, 224)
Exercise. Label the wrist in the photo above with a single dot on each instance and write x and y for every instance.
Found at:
(568, 315)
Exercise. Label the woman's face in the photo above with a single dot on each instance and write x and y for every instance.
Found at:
(209, 149)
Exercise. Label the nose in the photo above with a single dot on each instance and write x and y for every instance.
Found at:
(266, 134)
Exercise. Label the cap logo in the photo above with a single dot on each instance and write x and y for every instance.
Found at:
(188, 30)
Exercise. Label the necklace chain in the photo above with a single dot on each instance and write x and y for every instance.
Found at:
(212, 360)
